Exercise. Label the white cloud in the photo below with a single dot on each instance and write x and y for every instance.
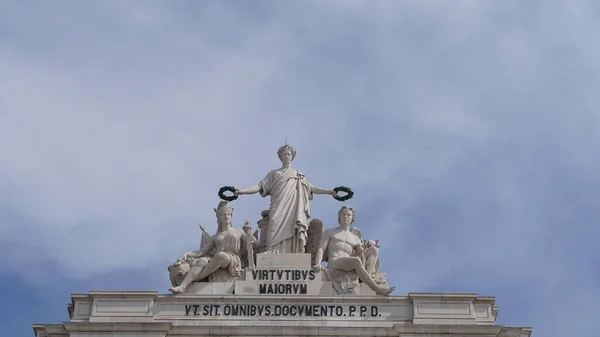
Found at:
(461, 127)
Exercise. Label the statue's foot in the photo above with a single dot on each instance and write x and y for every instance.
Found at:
(176, 290)
(385, 291)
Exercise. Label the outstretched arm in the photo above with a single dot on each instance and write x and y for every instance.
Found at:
(250, 190)
(202, 252)
(317, 190)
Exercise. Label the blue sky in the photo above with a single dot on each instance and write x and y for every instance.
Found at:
(467, 129)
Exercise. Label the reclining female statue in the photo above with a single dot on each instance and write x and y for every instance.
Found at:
(225, 250)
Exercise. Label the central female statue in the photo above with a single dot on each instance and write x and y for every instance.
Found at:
(289, 212)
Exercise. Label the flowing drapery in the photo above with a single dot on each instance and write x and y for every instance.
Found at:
(289, 211)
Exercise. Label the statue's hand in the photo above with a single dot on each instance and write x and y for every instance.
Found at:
(369, 243)
(192, 255)
(358, 249)
(333, 193)
(237, 192)
(317, 268)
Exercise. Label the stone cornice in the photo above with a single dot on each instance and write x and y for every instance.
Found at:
(154, 314)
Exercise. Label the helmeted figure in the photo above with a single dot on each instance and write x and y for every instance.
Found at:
(220, 259)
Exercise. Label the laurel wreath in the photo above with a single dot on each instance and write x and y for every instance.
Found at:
(224, 189)
(349, 193)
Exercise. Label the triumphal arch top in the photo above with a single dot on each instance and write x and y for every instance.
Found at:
(290, 276)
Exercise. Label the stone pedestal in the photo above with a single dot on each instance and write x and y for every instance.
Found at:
(279, 274)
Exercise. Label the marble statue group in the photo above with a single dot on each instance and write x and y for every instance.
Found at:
(284, 228)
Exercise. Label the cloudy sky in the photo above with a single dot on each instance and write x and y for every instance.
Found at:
(467, 129)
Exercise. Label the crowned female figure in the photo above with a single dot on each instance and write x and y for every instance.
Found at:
(222, 252)
(289, 211)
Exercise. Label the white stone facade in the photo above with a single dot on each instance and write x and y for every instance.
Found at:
(283, 290)
(148, 313)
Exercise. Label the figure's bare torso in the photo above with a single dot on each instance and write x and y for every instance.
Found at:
(341, 243)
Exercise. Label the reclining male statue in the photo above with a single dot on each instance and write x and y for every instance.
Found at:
(344, 250)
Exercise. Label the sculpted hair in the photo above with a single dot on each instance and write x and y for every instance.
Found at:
(347, 208)
(286, 147)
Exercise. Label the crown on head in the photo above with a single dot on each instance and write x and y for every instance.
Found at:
(286, 147)
(223, 206)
